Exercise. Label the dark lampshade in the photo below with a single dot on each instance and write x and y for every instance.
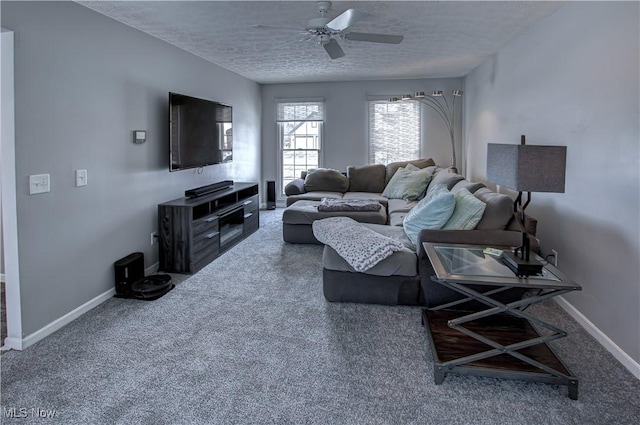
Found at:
(527, 168)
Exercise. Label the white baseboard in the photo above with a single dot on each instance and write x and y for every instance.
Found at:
(20, 344)
(12, 343)
(604, 340)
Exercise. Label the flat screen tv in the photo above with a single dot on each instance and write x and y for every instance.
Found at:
(200, 132)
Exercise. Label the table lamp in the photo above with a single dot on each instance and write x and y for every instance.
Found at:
(525, 168)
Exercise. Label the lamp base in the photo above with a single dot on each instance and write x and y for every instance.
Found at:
(520, 266)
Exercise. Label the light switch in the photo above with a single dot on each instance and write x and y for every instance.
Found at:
(81, 178)
(39, 183)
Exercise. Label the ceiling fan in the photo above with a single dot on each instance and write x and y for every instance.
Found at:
(326, 31)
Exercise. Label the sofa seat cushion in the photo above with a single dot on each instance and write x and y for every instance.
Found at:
(306, 212)
(313, 196)
(397, 218)
(366, 195)
(400, 205)
(367, 178)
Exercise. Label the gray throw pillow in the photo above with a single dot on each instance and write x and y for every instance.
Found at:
(325, 180)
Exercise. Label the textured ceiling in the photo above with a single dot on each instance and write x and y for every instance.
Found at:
(441, 39)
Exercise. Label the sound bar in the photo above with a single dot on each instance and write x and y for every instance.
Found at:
(204, 190)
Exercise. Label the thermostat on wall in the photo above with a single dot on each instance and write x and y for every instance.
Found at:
(139, 136)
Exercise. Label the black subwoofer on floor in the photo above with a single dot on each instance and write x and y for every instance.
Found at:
(271, 195)
(132, 283)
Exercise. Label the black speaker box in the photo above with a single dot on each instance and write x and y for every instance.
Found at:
(271, 195)
(131, 282)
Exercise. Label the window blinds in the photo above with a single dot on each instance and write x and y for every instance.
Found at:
(394, 131)
(300, 111)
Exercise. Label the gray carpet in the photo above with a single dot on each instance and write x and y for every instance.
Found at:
(250, 339)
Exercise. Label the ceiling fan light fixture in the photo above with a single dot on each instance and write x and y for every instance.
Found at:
(457, 93)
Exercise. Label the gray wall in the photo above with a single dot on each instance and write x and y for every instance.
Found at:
(573, 80)
(346, 120)
(83, 82)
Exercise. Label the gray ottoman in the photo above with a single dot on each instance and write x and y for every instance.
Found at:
(298, 217)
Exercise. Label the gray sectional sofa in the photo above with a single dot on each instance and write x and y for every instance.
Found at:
(404, 278)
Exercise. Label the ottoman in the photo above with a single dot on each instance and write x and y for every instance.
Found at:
(297, 219)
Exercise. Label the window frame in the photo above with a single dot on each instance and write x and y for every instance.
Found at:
(281, 120)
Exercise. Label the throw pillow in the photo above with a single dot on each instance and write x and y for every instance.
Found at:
(432, 212)
(407, 184)
(325, 180)
(468, 211)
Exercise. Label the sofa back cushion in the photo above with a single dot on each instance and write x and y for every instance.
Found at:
(394, 166)
(325, 180)
(498, 212)
(367, 178)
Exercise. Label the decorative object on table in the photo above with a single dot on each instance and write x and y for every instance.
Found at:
(441, 105)
(526, 168)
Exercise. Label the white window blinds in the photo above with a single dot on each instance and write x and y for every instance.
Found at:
(394, 131)
(300, 111)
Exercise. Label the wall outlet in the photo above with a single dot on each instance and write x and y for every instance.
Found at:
(555, 257)
(39, 183)
(154, 238)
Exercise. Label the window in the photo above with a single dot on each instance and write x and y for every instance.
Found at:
(299, 137)
(394, 131)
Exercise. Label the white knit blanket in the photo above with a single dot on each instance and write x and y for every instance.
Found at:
(360, 246)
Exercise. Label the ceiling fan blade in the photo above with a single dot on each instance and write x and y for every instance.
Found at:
(346, 19)
(333, 49)
(374, 38)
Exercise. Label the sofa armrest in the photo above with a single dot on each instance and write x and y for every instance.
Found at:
(295, 187)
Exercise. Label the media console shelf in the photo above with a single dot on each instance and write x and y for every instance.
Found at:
(195, 231)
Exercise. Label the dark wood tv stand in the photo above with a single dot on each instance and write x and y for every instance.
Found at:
(195, 231)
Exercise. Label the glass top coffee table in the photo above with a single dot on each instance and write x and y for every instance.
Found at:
(499, 340)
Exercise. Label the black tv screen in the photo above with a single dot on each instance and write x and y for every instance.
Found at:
(200, 132)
